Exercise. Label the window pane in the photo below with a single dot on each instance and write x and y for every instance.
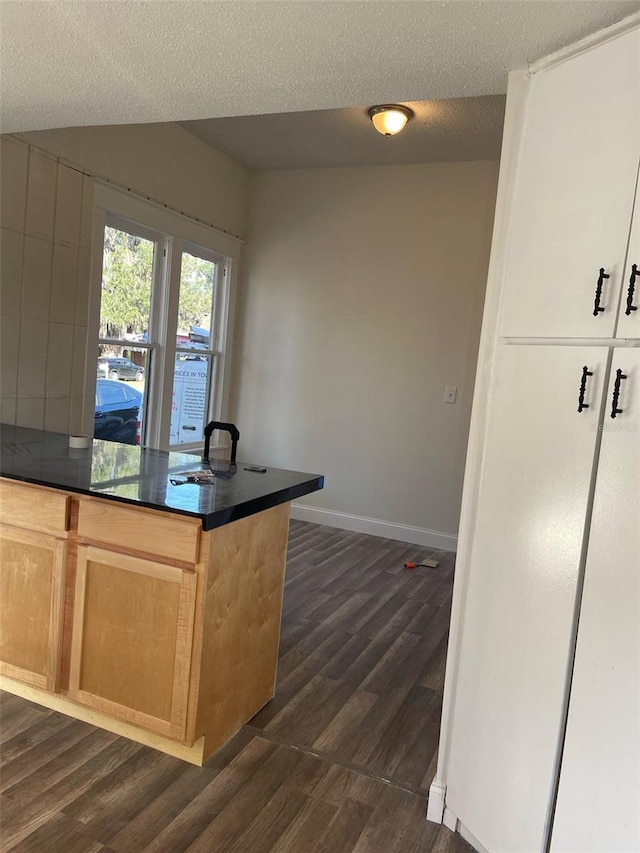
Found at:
(189, 410)
(197, 282)
(125, 362)
(117, 416)
(127, 271)
(120, 390)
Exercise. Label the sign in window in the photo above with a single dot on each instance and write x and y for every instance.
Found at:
(190, 399)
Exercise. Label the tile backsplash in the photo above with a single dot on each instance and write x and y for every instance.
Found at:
(45, 242)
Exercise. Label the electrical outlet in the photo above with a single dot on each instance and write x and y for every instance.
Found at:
(450, 394)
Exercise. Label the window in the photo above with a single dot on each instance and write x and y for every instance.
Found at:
(197, 333)
(161, 313)
(129, 260)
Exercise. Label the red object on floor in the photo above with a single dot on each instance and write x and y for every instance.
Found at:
(410, 565)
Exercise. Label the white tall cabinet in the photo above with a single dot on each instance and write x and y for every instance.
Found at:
(598, 805)
(540, 746)
(573, 195)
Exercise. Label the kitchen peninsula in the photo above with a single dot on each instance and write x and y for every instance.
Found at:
(136, 601)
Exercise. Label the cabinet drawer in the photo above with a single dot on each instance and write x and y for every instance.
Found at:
(121, 527)
(34, 508)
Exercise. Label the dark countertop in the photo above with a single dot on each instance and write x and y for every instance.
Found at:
(141, 477)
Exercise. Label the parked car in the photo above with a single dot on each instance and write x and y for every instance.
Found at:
(118, 412)
(119, 368)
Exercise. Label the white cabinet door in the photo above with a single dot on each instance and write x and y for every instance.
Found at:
(629, 316)
(599, 797)
(574, 194)
(523, 571)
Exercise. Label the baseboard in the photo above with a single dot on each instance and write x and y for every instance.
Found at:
(438, 812)
(388, 529)
(450, 820)
(470, 838)
(435, 803)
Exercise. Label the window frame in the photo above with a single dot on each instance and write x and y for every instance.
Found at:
(173, 234)
(218, 333)
(153, 339)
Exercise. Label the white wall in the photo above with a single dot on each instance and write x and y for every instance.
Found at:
(362, 300)
(45, 221)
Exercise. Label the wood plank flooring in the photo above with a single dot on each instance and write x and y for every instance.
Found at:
(339, 762)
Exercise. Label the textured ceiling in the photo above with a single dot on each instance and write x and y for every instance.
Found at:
(75, 62)
(440, 131)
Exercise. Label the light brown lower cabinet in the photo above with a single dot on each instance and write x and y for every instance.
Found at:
(32, 576)
(139, 621)
(132, 639)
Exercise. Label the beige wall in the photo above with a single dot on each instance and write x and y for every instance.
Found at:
(163, 161)
(362, 300)
(45, 245)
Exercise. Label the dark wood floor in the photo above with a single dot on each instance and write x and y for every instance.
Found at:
(339, 761)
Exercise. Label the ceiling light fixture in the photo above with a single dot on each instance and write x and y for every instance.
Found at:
(389, 119)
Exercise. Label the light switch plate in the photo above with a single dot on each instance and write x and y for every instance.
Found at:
(450, 394)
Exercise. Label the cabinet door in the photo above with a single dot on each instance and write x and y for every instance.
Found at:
(599, 797)
(32, 573)
(523, 571)
(629, 316)
(132, 638)
(574, 194)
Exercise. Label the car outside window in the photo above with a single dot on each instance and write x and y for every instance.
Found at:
(112, 394)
